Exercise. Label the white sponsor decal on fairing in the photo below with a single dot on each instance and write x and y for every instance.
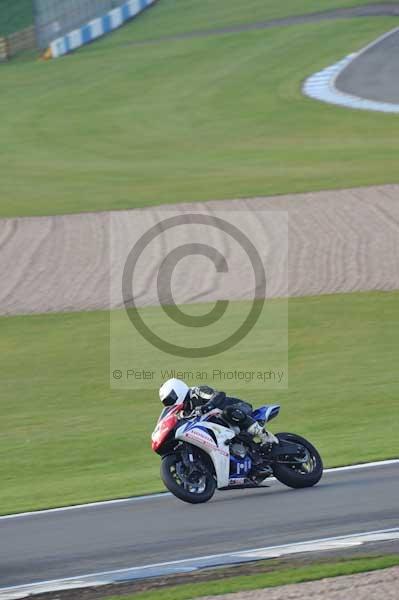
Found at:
(205, 440)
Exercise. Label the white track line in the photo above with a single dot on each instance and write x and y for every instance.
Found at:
(381, 463)
(322, 85)
(192, 564)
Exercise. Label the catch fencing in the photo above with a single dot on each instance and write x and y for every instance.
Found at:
(63, 25)
(55, 18)
(97, 27)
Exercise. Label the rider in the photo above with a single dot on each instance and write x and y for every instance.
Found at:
(236, 412)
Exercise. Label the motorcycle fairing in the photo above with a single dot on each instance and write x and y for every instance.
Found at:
(239, 467)
(266, 413)
(168, 419)
(211, 438)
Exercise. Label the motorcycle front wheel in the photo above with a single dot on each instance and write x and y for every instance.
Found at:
(195, 486)
(306, 472)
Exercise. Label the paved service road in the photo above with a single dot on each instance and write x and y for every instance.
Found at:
(87, 540)
(374, 75)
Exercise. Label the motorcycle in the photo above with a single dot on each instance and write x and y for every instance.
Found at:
(202, 453)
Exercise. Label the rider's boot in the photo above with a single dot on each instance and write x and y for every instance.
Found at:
(266, 437)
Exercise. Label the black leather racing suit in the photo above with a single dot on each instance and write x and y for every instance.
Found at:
(235, 411)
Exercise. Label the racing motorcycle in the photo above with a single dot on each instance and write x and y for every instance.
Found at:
(202, 453)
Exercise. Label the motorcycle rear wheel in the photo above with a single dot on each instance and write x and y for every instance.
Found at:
(195, 492)
(299, 475)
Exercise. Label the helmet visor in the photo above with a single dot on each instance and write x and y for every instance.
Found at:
(170, 399)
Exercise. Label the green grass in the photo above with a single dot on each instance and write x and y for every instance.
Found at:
(223, 117)
(66, 437)
(282, 576)
(15, 15)
(169, 17)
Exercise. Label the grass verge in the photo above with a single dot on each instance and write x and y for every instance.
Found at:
(280, 576)
(172, 17)
(223, 117)
(66, 437)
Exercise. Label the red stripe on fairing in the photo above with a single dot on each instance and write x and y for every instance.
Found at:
(165, 426)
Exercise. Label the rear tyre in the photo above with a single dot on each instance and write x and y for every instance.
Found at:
(195, 487)
(301, 474)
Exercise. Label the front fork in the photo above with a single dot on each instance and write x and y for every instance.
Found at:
(187, 452)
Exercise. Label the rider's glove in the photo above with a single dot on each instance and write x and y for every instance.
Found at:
(206, 408)
(199, 411)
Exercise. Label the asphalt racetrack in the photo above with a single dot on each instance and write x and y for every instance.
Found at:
(140, 532)
(374, 74)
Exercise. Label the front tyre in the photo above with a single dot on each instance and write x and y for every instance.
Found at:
(194, 485)
(306, 471)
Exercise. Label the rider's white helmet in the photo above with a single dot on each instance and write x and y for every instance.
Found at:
(173, 392)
